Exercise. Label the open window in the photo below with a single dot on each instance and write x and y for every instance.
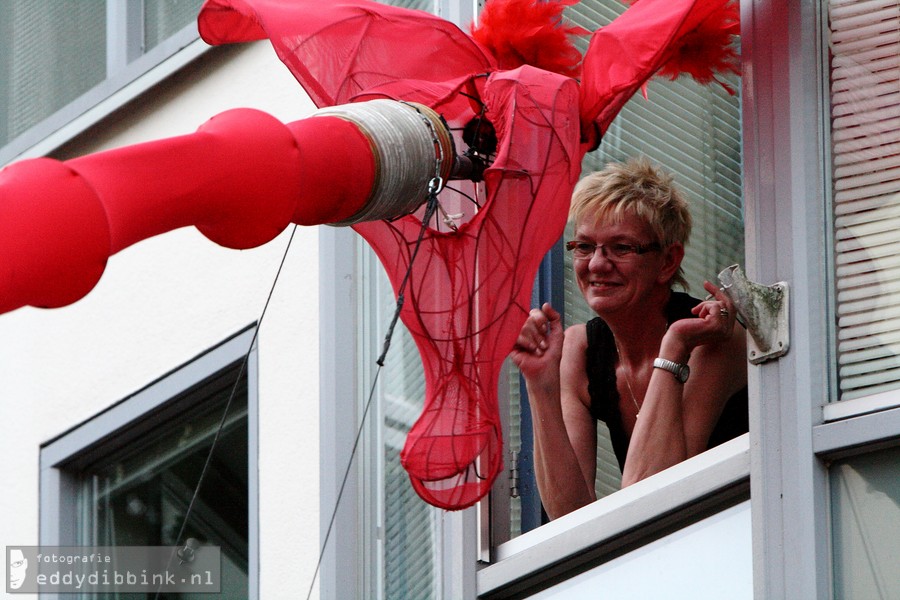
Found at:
(692, 131)
(383, 540)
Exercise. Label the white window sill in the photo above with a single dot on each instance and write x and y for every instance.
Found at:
(637, 515)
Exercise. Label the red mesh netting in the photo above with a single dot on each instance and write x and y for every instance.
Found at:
(470, 289)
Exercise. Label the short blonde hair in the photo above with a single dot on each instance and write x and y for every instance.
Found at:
(635, 187)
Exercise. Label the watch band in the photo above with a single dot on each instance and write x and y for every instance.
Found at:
(681, 372)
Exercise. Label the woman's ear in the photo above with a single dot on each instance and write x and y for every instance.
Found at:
(672, 255)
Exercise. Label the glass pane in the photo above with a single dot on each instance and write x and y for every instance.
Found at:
(138, 496)
(427, 5)
(164, 18)
(866, 196)
(865, 525)
(408, 564)
(51, 52)
(693, 132)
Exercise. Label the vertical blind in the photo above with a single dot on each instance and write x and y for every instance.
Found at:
(865, 111)
(693, 132)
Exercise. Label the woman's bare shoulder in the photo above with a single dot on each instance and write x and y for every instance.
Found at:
(576, 337)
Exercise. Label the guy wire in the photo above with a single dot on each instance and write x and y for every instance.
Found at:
(231, 396)
(429, 211)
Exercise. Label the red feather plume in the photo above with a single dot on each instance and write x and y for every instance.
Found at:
(708, 50)
(529, 32)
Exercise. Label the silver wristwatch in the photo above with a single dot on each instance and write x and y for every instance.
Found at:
(681, 372)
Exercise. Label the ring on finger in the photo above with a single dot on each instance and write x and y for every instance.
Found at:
(723, 312)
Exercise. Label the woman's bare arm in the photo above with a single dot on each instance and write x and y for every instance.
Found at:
(676, 420)
(564, 450)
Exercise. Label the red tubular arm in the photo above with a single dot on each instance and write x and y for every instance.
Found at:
(240, 179)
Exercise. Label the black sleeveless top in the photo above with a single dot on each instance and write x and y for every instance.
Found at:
(601, 372)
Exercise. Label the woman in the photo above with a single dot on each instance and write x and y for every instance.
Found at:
(665, 371)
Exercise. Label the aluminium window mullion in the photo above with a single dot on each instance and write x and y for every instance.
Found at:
(124, 34)
(785, 237)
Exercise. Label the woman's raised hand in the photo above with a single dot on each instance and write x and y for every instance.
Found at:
(715, 322)
(538, 348)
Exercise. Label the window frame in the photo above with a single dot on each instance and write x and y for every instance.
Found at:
(635, 516)
(549, 287)
(786, 201)
(347, 545)
(145, 409)
(129, 73)
(343, 542)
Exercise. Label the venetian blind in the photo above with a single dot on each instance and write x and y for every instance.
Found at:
(50, 53)
(408, 565)
(865, 110)
(164, 18)
(693, 132)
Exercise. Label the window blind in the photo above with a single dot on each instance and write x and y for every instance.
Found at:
(409, 529)
(865, 111)
(50, 53)
(164, 18)
(693, 132)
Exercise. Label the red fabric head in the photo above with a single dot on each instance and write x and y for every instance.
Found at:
(471, 289)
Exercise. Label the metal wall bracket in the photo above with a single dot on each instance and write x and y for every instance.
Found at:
(763, 310)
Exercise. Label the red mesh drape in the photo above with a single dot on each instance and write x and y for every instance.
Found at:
(470, 290)
(622, 56)
(337, 49)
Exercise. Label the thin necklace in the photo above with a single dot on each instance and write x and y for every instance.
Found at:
(637, 408)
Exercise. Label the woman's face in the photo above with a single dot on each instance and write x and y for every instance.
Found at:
(612, 280)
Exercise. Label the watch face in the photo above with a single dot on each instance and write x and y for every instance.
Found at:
(683, 372)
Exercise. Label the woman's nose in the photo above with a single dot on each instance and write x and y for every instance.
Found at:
(599, 260)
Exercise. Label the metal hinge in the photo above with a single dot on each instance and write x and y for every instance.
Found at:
(514, 474)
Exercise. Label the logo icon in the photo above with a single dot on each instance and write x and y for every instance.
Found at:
(18, 566)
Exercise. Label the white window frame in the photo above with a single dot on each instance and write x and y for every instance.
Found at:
(129, 73)
(59, 487)
(635, 516)
(787, 200)
(796, 427)
(347, 546)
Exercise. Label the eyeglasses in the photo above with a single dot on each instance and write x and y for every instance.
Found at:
(615, 252)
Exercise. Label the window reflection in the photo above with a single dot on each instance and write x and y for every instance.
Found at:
(138, 494)
(865, 525)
